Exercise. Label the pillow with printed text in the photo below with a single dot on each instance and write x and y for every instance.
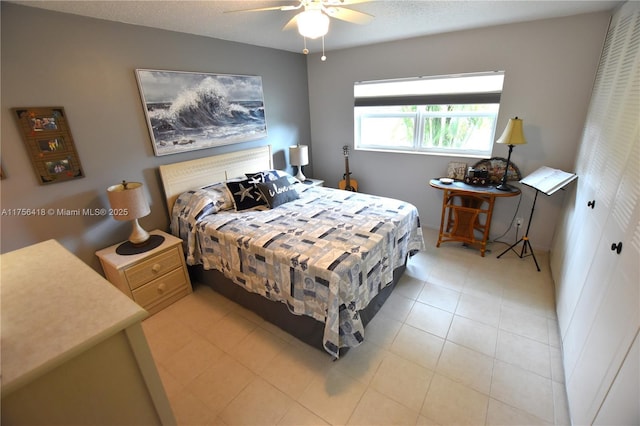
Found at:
(278, 192)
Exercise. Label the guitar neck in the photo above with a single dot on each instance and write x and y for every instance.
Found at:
(346, 173)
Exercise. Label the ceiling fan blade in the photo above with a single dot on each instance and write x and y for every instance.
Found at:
(292, 24)
(262, 9)
(344, 2)
(349, 15)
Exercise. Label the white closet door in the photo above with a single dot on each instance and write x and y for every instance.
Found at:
(601, 159)
(594, 163)
(598, 292)
(616, 194)
(612, 325)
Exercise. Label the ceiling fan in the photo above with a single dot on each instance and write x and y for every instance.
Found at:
(313, 20)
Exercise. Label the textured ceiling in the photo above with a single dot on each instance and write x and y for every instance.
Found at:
(393, 19)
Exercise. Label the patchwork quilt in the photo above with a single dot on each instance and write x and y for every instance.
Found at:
(325, 254)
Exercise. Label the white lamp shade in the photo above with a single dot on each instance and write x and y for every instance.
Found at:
(313, 23)
(127, 201)
(513, 134)
(299, 155)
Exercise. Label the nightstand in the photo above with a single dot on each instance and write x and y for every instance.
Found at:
(153, 279)
(314, 182)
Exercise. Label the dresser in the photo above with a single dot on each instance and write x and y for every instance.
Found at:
(153, 279)
(73, 348)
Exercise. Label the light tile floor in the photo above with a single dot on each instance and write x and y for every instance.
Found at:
(462, 340)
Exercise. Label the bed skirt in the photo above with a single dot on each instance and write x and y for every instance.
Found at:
(302, 327)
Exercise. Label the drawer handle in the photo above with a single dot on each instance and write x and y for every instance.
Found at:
(161, 288)
(156, 268)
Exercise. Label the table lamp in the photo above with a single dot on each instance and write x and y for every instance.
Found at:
(512, 135)
(299, 156)
(128, 202)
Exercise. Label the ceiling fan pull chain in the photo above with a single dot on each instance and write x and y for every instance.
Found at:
(305, 50)
(323, 57)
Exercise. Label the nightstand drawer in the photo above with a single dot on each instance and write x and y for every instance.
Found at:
(153, 268)
(153, 292)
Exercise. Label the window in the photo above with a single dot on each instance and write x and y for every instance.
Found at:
(448, 115)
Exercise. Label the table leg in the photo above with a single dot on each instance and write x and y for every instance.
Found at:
(442, 216)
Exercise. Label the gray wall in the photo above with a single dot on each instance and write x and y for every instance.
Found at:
(87, 66)
(550, 67)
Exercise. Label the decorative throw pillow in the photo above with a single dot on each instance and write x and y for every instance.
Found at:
(263, 176)
(278, 192)
(269, 175)
(246, 194)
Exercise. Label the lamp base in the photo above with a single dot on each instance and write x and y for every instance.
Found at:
(300, 176)
(138, 234)
(128, 248)
(503, 184)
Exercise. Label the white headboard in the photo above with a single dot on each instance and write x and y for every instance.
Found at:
(180, 177)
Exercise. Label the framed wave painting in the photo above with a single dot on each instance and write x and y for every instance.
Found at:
(186, 111)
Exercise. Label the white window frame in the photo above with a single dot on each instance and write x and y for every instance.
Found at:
(460, 89)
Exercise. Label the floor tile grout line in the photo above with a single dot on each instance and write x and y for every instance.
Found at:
(495, 357)
(493, 369)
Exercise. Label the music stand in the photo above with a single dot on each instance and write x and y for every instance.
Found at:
(525, 239)
(547, 181)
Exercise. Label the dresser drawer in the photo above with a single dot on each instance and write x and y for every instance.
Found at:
(153, 268)
(153, 292)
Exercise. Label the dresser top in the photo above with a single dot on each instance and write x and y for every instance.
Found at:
(54, 306)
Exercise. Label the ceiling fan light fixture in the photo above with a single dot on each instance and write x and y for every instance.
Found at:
(313, 23)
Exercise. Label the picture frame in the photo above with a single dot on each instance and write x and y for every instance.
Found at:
(187, 111)
(47, 137)
(456, 170)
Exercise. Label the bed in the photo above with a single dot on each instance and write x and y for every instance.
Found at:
(317, 262)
